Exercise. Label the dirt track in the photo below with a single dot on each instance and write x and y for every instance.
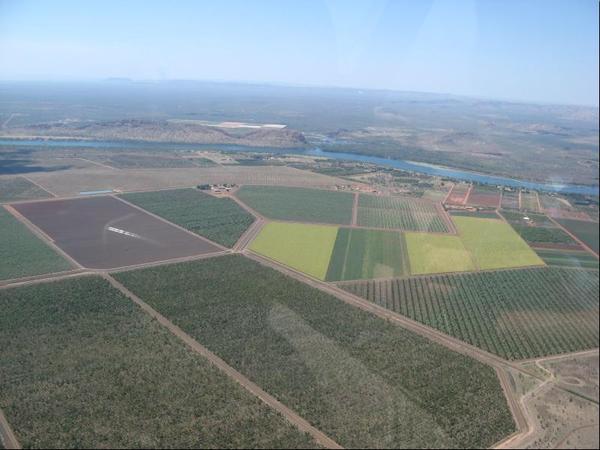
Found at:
(7, 436)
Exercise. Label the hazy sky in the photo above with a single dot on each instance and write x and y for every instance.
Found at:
(543, 50)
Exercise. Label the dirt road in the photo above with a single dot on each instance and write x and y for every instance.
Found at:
(303, 425)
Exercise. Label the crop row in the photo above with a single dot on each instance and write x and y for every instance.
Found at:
(515, 314)
(363, 381)
(400, 213)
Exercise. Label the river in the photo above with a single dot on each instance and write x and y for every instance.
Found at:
(411, 166)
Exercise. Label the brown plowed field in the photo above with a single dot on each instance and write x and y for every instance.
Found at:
(105, 233)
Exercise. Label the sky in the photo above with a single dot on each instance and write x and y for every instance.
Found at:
(525, 50)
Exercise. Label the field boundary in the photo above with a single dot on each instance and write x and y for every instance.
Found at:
(39, 185)
(290, 415)
(7, 435)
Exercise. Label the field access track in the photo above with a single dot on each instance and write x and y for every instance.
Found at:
(106, 233)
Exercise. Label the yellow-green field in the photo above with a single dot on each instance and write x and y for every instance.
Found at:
(434, 253)
(304, 247)
(494, 244)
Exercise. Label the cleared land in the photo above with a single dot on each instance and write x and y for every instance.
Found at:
(567, 258)
(458, 194)
(584, 230)
(400, 213)
(430, 253)
(83, 367)
(22, 253)
(19, 188)
(219, 219)
(299, 204)
(104, 232)
(484, 196)
(363, 381)
(515, 314)
(72, 182)
(304, 247)
(510, 200)
(529, 202)
(493, 244)
(360, 253)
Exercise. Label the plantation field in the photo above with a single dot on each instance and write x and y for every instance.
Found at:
(360, 253)
(304, 247)
(400, 213)
(538, 229)
(219, 219)
(22, 253)
(362, 380)
(437, 254)
(19, 188)
(515, 314)
(299, 204)
(494, 244)
(584, 230)
(567, 258)
(83, 367)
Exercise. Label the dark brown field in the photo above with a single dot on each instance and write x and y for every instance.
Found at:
(106, 233)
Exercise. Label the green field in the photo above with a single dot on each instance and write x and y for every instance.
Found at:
(19, 188)
(493, 244)
(400, 213)
(360, 253)
(23, 254)
(516, 314)
(584, 230)
(304, 247)
(83, 367)
(566, 258)
(299, 204)
(363, 381)
(538, 229)
(434, 253)
(219, 219)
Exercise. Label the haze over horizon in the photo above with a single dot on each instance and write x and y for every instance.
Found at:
(535, 51)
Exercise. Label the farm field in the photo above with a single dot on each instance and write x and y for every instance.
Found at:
(584, 230)
(529, 201)
(103, 232)
(361, 380)
(304, 247)
(219, 219)
(458, 194)
(493, 244)
(84, 367)
(18, 188)
(22, 253)
(299, 204)
(437, 254)
(484, 196)
(516, 314)
(360, 253)
(568, 258)
(400, 213)
(72, 182)
(539, 231)
(510, 200)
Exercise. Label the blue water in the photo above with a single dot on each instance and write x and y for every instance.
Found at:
(410, 166)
